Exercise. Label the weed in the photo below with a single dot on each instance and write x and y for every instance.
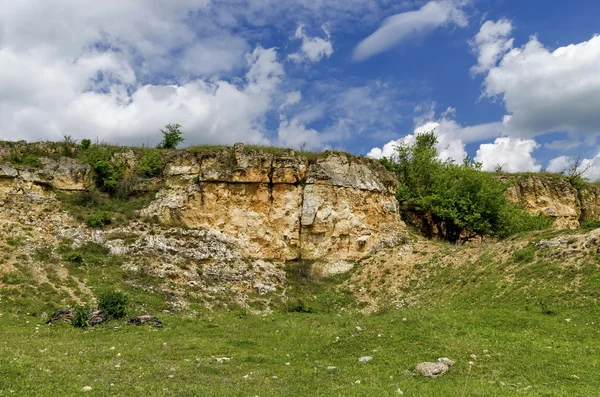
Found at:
(81, 317)
(99, 219)
(113, 303)
(151, 165)
(524, 255)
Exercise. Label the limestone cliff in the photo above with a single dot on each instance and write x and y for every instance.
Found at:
(556, 197)
(275, 204)
(283, 206)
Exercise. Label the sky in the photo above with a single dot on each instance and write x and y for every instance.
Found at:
(510, 83)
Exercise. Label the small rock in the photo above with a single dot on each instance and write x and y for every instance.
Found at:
(365, 359)
(434, 370)
(87, 388)
(97, 317)
(446, 360)
(398, 391)
(331, 368)
(62, 315)
(146, 318)
(221, 360)
(263, 289)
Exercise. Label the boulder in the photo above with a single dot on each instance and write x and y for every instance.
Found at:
(434, 370)
(146, 318)
(65, 315)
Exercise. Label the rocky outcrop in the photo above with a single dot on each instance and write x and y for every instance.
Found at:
(282, 205)
(276, 204)
(64, 174)
(551, 196)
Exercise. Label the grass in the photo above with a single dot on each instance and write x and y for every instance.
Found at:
(98, 209)
(530, 337)
(540, 355)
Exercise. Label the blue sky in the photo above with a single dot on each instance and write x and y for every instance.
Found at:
(511, 83)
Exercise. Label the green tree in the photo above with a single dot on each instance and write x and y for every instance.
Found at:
(458, 200)
(172, 136)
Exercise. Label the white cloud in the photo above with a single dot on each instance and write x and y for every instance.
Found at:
(559, 164)
(400, 27)
(491, 42)
(448, 147)
(512, 154)
(452, 137)
(47, 100)
(545, 91)
(212, 55)
(589, 168)
(312, 49)
(563, 144)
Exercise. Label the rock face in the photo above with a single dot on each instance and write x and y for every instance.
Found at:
(553, 197)
(66, 174)
(283, 206)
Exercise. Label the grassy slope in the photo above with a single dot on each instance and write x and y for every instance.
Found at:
(531, 331)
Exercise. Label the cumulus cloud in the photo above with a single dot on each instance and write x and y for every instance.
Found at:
(312, 49)
(449, 147)
(589, 168)
(402, 26)
(491, 42)
(452, 137)
(512, 154)
(108, 70)
(542, 90)
(47, 100)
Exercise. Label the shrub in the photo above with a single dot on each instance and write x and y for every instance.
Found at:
(151, 164)
(85, 144)
(172, 136)
(298, 306)
(81, 317)
(113, 303)
(73, 257)
(458, 200)
(99, 219)
(106, 175)
(27, 159)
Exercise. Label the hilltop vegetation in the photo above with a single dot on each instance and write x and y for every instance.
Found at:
(455, 201)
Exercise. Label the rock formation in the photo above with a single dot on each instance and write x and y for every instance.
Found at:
(554, 196)
(275, 204)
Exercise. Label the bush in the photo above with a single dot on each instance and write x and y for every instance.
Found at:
(298, 306)
(151, 164)
(172, 136)
(28, 159)
(106, 175)
(113, 303)
(85, 144)
(99, 219)
(458, 200)
(73, 257)
(81, 317)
